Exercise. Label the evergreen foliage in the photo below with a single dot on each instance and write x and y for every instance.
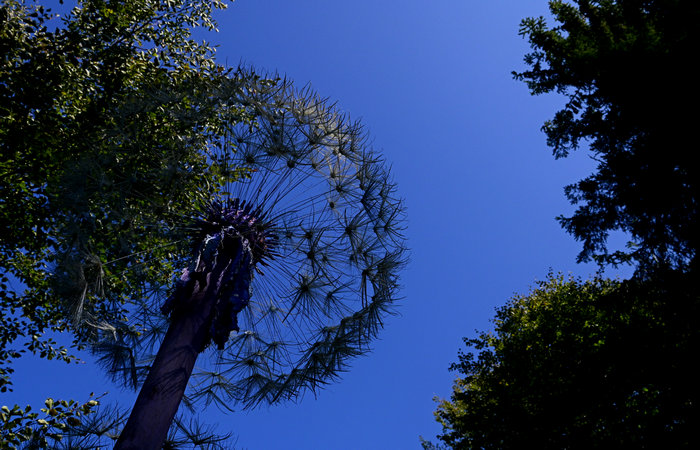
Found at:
(626, 68)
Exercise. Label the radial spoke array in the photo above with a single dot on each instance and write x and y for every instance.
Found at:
(326, 272)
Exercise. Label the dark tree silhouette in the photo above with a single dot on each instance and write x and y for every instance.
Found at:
(626, 68)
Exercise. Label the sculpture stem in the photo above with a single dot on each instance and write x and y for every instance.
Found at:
(188, 334)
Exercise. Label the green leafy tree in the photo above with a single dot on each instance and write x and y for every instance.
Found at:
(104, 125)
(626, 68)
(22, 427)
(596, 364)
(107, 117)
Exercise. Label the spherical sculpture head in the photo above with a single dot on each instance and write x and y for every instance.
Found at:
(312, 227)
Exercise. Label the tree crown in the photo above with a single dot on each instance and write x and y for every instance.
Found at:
(625, 69)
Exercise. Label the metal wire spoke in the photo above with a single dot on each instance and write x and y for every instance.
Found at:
(316, 212)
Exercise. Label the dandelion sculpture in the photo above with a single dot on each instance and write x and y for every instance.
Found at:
(291, 271)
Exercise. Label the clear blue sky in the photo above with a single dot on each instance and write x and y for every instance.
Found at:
(432, 83)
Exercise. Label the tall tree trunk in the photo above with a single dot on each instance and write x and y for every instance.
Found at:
(187, 335)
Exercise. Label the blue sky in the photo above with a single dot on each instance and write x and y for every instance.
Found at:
(432, 83)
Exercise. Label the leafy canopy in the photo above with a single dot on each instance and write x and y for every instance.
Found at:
(595, 364)
(106, 120)
(626, 68)
(58, 416)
